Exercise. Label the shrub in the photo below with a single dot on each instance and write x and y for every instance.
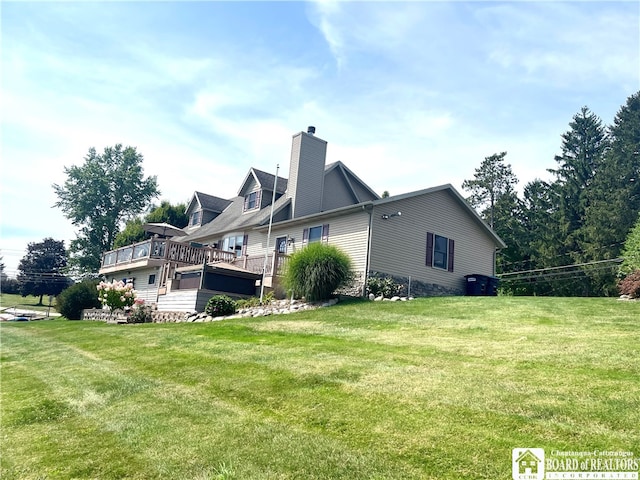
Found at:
(247, 302)
(76, 298)
(384, 286)
(140, 313)
(116, 295)
(317, 270)
(220, 305)
(630, 285)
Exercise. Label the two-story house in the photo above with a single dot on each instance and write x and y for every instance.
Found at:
(431, 236)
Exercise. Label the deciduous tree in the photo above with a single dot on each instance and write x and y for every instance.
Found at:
(99, 196)
(133, 232)
(40, 271)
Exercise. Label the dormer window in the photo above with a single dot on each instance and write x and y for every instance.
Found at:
(252, 201)
(195, 218)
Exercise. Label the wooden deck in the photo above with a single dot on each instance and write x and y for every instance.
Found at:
(166, 250)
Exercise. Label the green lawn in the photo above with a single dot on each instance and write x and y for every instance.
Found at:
(439, 388)
(29, 302)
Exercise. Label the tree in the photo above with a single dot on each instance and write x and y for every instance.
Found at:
(491, 180)
(99, 196)
(40, 271)
(614, 197)
(175, 215)
(583, 148)
(631, 251)
(133, 232)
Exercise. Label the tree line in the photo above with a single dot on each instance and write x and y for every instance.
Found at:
(567, 236)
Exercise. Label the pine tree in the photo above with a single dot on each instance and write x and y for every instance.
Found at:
(583, 147)
(614, 197)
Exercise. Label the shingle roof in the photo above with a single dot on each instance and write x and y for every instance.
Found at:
(266, 181)
(210, 202)
(233, 219)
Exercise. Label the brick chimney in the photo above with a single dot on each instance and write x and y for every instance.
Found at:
(306, 173)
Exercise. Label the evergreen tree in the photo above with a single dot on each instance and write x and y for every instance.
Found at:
(614, 197)
(631, 251)
(491, 180)
(583, 147)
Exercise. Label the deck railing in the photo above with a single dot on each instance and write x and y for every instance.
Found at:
(255, 263)
(161, 249)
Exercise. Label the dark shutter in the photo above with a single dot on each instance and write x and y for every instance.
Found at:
(305, 236)
(245, 240)
(429, 249)
(450, 262)
(325, 232)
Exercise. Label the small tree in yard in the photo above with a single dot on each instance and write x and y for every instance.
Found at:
(40, 271)
(316, 271)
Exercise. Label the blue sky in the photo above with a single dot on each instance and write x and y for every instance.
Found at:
(408, 94)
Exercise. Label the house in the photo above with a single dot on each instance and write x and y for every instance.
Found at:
(428, 239)
(528, 463)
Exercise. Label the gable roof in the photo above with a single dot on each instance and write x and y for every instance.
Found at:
(208, 202)
(459, 198)
(265, 180)
(350, 179)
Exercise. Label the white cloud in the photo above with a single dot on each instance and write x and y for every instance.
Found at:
(422, 92)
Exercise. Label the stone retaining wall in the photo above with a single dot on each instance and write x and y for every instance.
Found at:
(278, 307)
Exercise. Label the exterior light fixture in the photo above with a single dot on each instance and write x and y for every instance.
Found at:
(387, 216)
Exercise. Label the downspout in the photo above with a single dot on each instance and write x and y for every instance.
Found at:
(366, 268)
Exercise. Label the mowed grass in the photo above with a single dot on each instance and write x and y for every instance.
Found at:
(30, 302)
(440, 388)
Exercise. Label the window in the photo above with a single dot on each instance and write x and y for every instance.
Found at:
(195, 218)
(440, 252)
(152, 279)
(252, 201)
(316, 234)
(236, 244)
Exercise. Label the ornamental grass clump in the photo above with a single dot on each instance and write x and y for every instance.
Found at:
(116, 295)
(316, 271)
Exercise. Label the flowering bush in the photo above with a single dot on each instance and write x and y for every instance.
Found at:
(116, 295)
(140, 313)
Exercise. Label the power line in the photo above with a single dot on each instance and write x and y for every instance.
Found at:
(613, 260)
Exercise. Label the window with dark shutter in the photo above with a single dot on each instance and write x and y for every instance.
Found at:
(325, 232)
(440, 252)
